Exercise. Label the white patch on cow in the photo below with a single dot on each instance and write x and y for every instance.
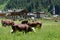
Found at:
(33, 29)
(11, 30)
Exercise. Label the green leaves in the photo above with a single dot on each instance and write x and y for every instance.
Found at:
(32, 5)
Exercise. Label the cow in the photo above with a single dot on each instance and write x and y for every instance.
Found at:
(33, 23)
(7, 22)
(22, 27)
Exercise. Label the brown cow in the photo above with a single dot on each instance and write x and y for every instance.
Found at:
(7, 22)
(21, 27)
(32, 24)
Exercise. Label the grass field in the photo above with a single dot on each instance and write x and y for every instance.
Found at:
(50, 31)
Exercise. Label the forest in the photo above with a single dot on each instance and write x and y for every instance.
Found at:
(31, 5)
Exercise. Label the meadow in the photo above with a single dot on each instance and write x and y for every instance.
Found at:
(50, 30)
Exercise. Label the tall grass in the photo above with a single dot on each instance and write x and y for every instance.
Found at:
(50, 31)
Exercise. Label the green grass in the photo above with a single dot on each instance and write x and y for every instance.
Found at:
(50, 31)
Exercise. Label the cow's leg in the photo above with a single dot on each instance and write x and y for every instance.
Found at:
(40, 25)
(5, 24)
(2, 24)
(26, 29)
(13, 29)
(33, 29)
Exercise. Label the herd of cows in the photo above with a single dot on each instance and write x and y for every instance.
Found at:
(23, 26)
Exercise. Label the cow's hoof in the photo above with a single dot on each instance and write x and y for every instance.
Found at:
(11, 31)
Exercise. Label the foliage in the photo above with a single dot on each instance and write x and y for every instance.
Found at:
(31, 5)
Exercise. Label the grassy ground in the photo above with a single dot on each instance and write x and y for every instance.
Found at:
(50, 31)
